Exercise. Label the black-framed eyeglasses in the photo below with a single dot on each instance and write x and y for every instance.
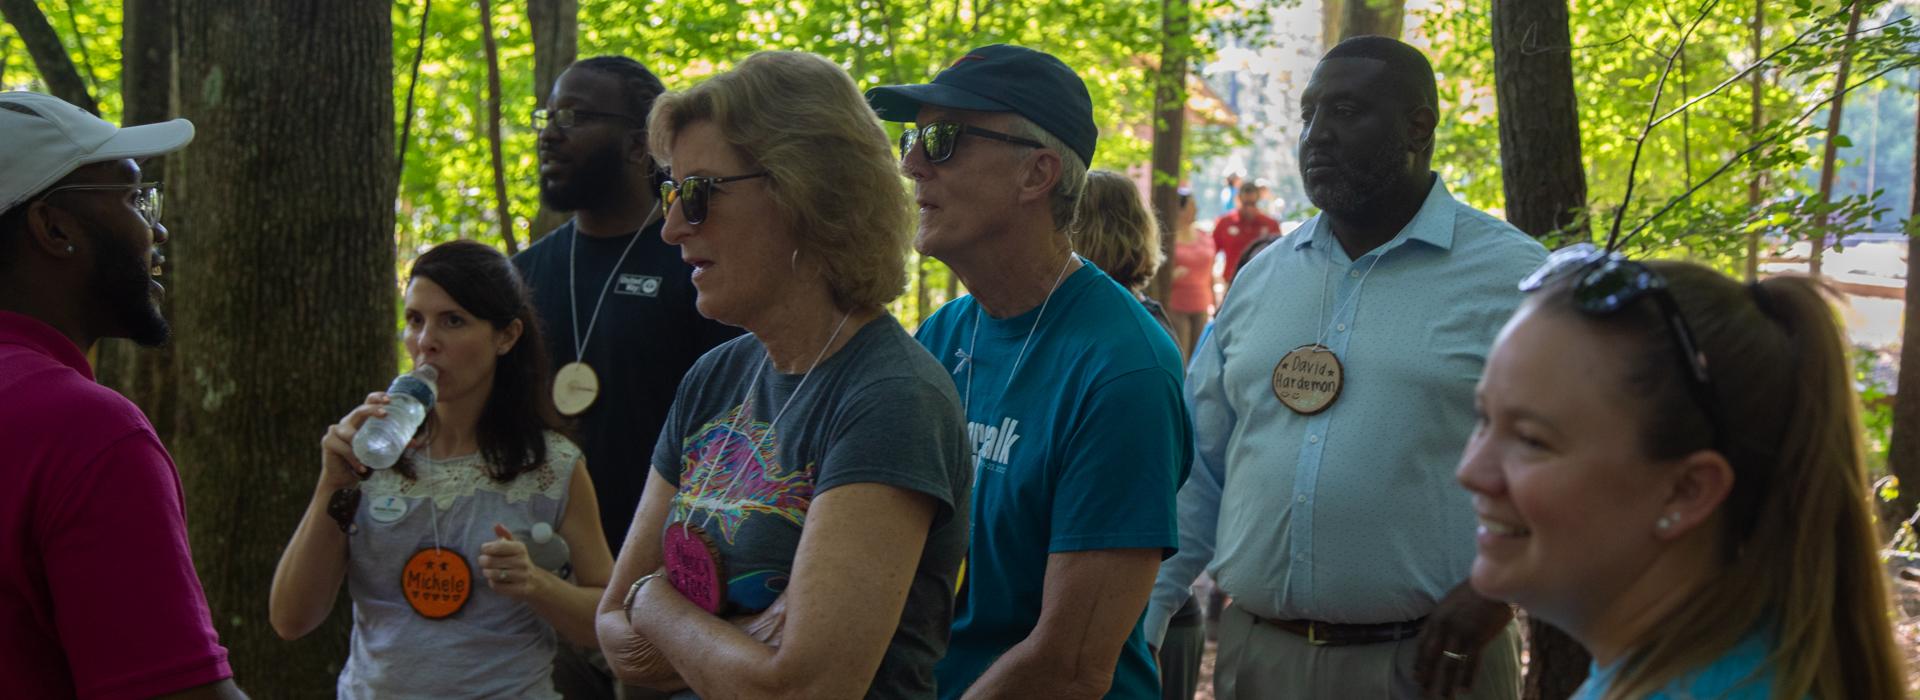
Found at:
(693, 193)
(1605, 282)
(569, 118)
(146, 198)
(939, 138)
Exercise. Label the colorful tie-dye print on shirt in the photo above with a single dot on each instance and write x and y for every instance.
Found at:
(748, 503)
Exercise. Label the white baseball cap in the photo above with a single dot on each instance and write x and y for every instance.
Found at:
(47, 138)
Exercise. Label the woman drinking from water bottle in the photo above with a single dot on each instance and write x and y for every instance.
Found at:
(434, 551)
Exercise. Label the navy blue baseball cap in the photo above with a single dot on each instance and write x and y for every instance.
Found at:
(1003, 78)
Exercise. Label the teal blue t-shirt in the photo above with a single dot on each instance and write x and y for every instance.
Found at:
(1740, 674)
(1082, 449)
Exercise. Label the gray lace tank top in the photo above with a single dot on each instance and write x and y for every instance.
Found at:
(493, 646)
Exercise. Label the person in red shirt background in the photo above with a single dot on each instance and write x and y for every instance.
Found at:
(98, 596)
(1239, 228)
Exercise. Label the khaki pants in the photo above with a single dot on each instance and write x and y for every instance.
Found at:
(1263, 662)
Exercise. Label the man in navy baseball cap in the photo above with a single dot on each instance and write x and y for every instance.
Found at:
(1071, 391)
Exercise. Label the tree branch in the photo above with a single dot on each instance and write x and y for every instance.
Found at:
(493, 127)
(893, 44)
(49, 55)
(1756, 66)
(406, 121)
(1641, 142)
(80, 46)
(1529, 47)
(1812, 110)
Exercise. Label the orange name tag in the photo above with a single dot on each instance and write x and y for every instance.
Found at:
(436, 582)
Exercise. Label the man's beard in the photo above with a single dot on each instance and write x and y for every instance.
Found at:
(1354, 186)
(595, 181)
(122, 282)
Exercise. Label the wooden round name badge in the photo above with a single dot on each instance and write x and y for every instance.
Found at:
(436, 582)
(1308, 379)
(575, 388)
(693, 566)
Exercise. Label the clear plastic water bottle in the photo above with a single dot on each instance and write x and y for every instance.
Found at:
(549, 550)
(381, 441)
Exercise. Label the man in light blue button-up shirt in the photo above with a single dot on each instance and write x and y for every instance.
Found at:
(1340, 534)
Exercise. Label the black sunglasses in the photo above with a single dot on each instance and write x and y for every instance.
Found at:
(1607, 282)
(568, 118)
(695, 192)
(939, 139)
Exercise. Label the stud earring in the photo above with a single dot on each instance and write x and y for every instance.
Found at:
(1665, 522)
(69, 249)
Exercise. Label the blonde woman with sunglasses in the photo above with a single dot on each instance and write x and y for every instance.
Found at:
(802, 530)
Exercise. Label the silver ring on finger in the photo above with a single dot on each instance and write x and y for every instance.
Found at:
(1456, 656)
(501, 576)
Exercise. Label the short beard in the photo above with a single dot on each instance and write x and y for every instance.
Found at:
(124, 285)
(598, 181)
(1356, 186)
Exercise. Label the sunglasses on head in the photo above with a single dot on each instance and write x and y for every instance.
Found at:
(939, 139)
(1605, 282)
(694, 192)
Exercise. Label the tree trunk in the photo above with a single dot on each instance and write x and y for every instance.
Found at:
(1546, 183)
(921, 299)
(501, 210)
(1546, 196)
(146, 86)
(1381, 17)
(1903, 454)
(1169, 129)
(286, 286)
(1756, 187)
(49, 55)
(1832, 148)
(556, 43)
(1344, 19)
(1331, 14)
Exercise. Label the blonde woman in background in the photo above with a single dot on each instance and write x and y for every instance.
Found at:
(1668, 466)
(1116, 233)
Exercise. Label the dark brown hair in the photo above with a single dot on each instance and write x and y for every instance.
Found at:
(519, 410)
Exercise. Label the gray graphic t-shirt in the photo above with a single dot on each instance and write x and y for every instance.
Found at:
(881, 410)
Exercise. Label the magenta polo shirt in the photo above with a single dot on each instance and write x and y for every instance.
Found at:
(98, 598)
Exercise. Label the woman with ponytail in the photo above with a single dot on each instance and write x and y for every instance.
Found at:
(1668, 466)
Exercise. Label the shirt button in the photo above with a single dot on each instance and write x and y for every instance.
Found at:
(1313, 438)
(1302, 498)
(1354, 274)
(1342, 327)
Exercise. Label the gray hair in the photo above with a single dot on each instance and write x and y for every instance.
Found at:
(1072, 184)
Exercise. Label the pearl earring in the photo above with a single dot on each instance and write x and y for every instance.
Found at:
(69, 249)
(1665, 522)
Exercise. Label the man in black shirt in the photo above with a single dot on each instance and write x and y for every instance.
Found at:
(616, 300)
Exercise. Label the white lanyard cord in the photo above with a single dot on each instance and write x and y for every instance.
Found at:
(580, 340)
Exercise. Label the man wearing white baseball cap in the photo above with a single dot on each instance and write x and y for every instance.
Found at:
(98, 596)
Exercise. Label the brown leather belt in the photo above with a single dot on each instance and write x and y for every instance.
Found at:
(1338, 635)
